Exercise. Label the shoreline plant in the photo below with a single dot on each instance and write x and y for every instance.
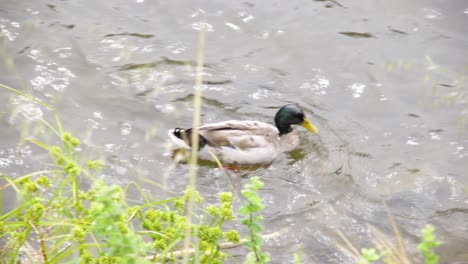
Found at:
(58, 220)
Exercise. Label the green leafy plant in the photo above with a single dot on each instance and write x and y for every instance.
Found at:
(55, 214)
(428, 245)
(99, 224)
(369, 255)
(57, 218)
(166, 225)
(250, 211)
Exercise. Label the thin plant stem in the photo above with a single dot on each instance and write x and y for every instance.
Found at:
(252, 239)
(195, 136)
(42, 242)
(46, 105)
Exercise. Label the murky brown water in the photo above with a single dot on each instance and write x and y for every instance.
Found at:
(385, 81)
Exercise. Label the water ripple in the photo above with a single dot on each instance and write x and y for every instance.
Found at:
(208, 27)
(246, 17)
(11, 35)
(30, 111)
(50, 74)
(357, 88)
(125, 129)
(264, 94)
(5, 162)
(232, 26)
(412, 141)
(432, 13)
(318, 85)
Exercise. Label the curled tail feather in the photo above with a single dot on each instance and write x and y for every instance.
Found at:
(183, 138)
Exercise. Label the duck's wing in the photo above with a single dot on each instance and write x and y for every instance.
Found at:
(240, 134)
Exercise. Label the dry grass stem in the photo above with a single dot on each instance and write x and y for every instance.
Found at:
(195, 137)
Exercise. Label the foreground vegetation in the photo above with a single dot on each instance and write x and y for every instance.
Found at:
(66, 214)
(56, 219)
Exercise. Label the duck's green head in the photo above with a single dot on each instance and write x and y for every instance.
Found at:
(292, 114)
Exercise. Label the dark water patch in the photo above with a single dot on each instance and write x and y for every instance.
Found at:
(414, 171)
(338, 171)
(138, 35)
(23, 50)
(152, 89)
(279, 71)
(394, 165)
(133, 66)
(331, 4)
(440, 36)
(221, 82)
(447, 85)
(208, 101)
(337, 3)
(297, 154)
(168, 61)
(69, 26)
(361, 154)
(251, 53)
(438, 131)
(357, 34)
(266, 87)
(56, 23)
(52, 7)
(162, 61)
(313, 203)
(414, 115)
(397, 31)
(449, 212)
(230, 170)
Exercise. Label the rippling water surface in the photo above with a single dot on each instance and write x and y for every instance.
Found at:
(385, 82)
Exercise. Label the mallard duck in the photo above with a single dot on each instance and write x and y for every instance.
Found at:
(247, 142)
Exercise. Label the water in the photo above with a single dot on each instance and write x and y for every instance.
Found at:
(385, 82)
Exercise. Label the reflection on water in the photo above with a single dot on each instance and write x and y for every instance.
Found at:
(385, 82)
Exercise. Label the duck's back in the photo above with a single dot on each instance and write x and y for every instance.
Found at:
(240, 134)
(242, 142)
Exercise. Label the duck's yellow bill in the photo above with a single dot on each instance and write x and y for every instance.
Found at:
(308, 125)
